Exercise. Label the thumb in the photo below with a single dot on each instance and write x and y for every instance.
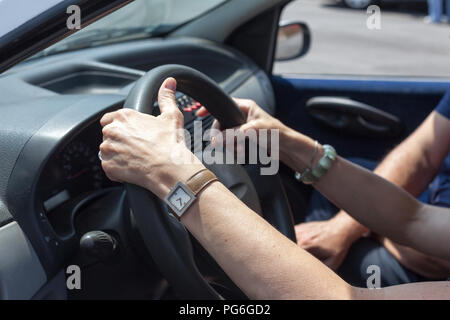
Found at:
(166, 97)
(247, 126)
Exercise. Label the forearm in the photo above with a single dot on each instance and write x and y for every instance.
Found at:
(368, 198)
(259, 259)
(410, 291)
(371, 200)
(411, 165)
(414, 163)
(425, 265)
(266, 265)
(408, 167)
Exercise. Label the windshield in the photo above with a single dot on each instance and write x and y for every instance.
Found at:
(139, 19)
(20, 11)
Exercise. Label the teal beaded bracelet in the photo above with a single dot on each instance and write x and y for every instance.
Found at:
(310, 176)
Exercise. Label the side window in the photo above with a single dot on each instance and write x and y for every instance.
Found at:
(387, 38)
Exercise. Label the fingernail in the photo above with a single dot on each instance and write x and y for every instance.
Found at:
(171, 84)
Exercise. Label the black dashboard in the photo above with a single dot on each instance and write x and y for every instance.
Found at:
(74, 170)
(49, 126)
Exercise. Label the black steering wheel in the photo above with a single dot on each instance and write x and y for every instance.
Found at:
(165, 237)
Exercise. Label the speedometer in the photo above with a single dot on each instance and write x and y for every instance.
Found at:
(81, 165)
(75, 170)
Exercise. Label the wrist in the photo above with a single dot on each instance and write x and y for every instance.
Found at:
(296, 149)
(352, 229)
(162, 180)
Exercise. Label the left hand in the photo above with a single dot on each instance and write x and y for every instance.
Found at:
(326, 240)
(144, 150)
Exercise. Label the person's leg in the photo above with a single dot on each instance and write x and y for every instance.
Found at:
(439, 10)
(436, 14)
(369, 252)
(430, 9)
(447, 10)
(433, 11)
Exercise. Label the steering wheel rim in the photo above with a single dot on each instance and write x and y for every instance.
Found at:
(164, 236)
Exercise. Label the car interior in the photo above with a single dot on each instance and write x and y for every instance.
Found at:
(55, 197)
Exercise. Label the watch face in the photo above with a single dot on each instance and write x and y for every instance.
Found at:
(180, 198)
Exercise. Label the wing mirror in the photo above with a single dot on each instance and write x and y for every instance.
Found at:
(293, 41)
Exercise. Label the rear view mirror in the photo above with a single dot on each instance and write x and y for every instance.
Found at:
(293, 41)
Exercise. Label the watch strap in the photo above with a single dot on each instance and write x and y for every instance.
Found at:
(200, 180)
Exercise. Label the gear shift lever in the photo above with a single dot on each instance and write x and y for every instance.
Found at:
(99, 245)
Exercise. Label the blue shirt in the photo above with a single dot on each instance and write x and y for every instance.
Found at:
(440, 187)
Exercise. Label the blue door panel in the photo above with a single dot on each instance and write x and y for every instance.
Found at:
(411, 101)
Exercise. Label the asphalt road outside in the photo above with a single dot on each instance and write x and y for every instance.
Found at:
(342, 43)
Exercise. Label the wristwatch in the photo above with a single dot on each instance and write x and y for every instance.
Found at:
(182, 195)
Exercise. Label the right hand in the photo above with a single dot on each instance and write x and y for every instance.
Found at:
(257, 119)
(328, 241)
(140, 149)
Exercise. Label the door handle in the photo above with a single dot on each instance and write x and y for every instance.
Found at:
(354, 117)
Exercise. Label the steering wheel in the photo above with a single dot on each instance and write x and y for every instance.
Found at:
(164, 236)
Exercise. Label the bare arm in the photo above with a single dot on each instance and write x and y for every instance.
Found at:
(411, 165)
(377, 203)
(415, 162)
(259, 259)
(267, 265)
(410, 291)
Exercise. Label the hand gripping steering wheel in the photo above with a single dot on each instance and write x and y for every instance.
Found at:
(164, 236)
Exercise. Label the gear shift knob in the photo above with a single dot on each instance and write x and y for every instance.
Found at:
(99, 245)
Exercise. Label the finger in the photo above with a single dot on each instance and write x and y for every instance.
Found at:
(247, 126)
(107, 118)
(214, 132)
(108, 167)
(219, 136)
(166, 97)
(202, 112)
(300, 227)
(216, 125)
(111, 131)
(316, 252)
(243, 104)
(105, 149)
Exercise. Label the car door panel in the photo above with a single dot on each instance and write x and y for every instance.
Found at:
(354, 117)
(408, 100)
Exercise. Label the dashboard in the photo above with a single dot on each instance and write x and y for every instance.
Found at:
(51, 109)
(76, 169)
